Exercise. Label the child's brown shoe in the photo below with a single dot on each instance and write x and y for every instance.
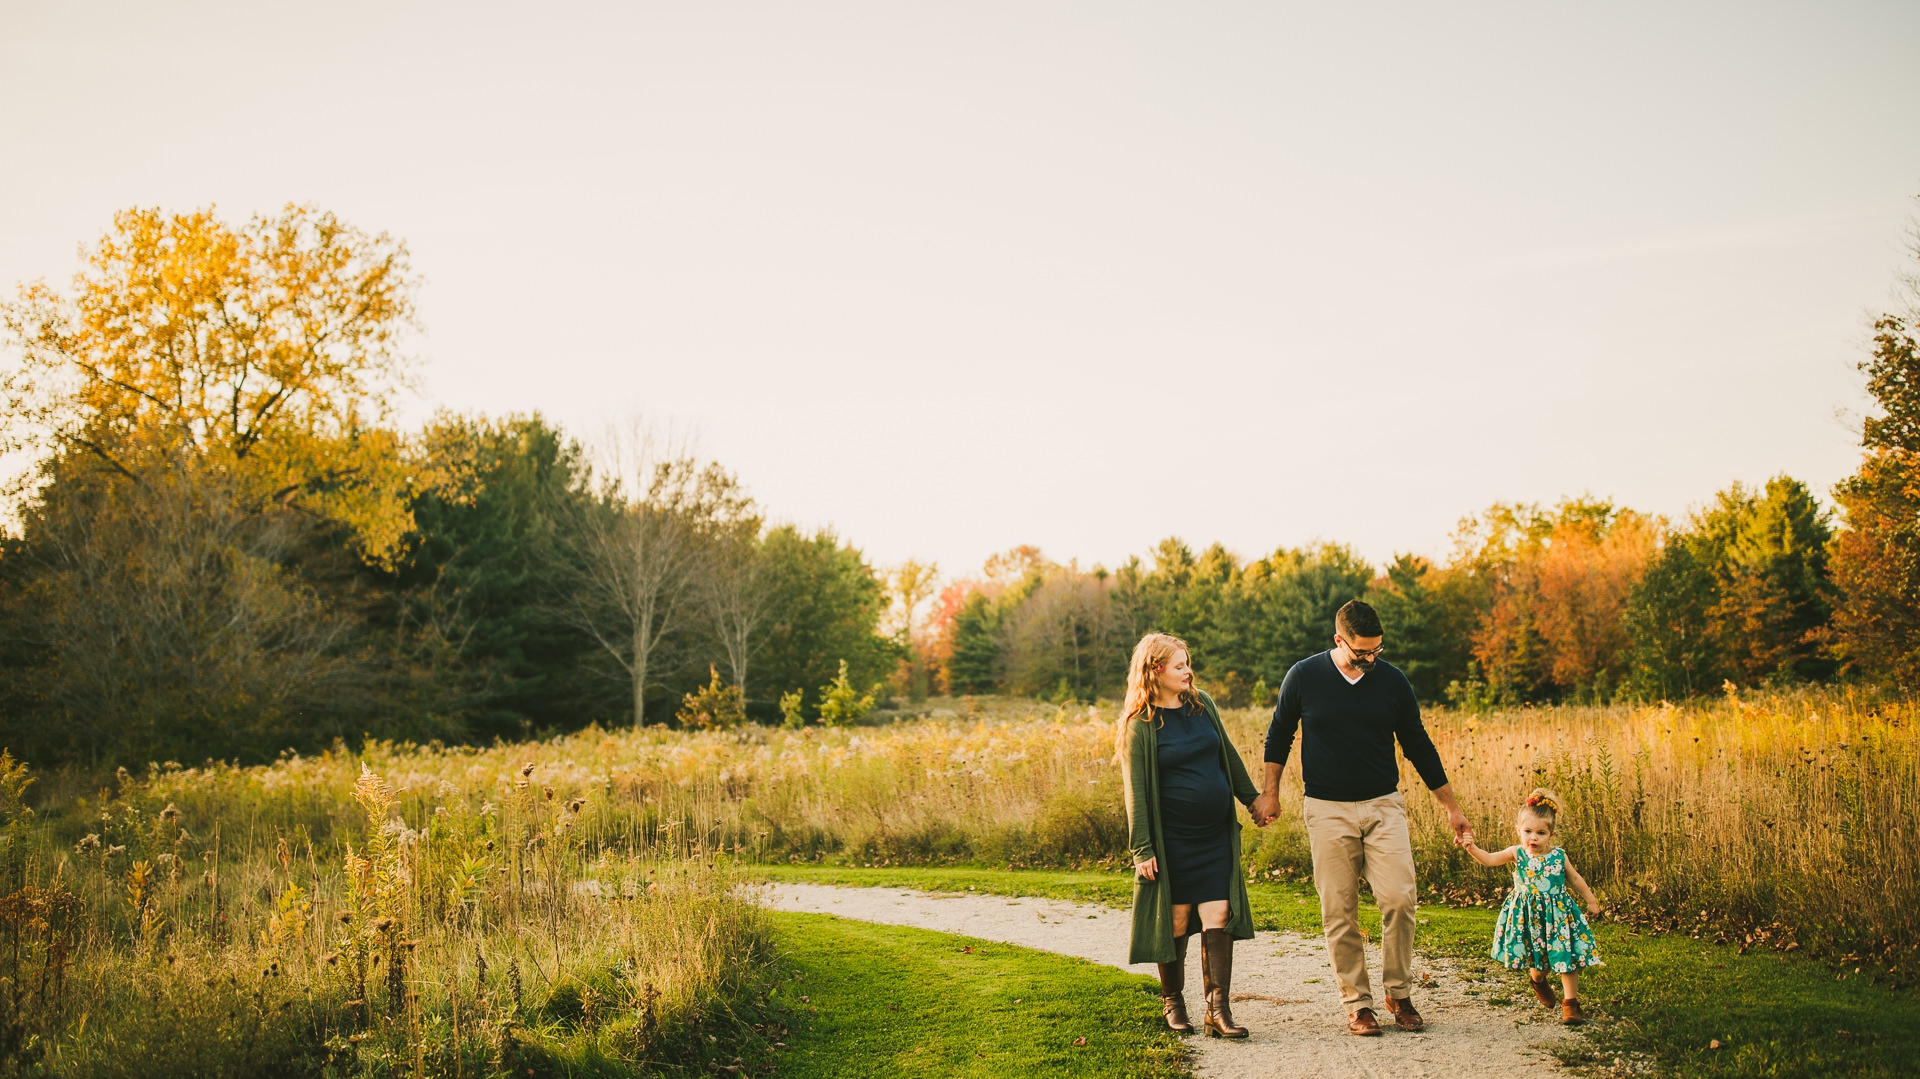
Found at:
(1570, 1014)
(1543, 989)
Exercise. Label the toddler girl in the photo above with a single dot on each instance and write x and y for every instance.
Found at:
(1540, 927)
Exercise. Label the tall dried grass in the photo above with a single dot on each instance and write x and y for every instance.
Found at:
(1784, 820)
(564, 900)
(210, 928)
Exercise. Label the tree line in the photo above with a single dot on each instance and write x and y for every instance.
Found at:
(1584, 601)
(227, 547)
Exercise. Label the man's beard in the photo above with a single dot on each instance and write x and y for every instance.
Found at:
(1363, 664)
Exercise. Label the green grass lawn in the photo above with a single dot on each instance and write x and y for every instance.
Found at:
(1664, 997)
(878, 1001)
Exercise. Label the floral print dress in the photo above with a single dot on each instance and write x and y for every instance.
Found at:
(1541, 926)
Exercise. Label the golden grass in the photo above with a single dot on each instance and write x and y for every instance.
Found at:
(1783, 820)
(474, 936)
(585, 868)
(1787, 817)
(1798, 803)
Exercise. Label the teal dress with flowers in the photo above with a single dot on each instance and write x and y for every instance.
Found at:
(1541, 926)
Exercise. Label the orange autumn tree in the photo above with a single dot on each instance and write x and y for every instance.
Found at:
(1559, 584)
(1876, 560)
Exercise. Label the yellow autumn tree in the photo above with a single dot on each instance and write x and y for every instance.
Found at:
(208, 405)
(264, 355)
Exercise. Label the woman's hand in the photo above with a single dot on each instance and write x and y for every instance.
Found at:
(1147, 868)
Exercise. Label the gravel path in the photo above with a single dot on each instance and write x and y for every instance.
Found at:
(1283, 989)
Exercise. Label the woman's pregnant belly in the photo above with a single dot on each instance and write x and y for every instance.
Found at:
(1194, 802)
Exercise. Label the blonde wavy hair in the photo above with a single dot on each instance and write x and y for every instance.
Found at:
(1152, 655)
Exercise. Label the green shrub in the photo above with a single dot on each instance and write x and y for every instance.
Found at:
(841, 704)
(717, 707)
(1075, 825)
(790, 714)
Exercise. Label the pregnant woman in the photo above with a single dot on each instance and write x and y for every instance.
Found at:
(1182, 777)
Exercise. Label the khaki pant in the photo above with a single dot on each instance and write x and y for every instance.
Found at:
(1368, 839)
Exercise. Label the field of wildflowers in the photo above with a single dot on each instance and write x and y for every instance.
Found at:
(486, 911)
(308, 919)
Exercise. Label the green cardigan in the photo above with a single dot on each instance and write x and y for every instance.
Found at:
(1152, 899)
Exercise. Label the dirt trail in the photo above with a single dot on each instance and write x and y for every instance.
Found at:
(1299, 1028)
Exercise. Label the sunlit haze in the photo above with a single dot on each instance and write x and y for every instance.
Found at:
(951, 278)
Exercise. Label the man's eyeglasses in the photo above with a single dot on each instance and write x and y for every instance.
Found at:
(1369, 654)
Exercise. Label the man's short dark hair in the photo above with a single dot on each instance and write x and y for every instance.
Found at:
(1356, 620)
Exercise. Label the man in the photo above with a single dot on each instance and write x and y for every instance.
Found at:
(1351, 706)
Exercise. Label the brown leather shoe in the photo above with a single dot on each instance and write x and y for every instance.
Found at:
(1542, 988)
(1363, 1024)
(1403, 1013)
(1173, 984)
(1570, 1013)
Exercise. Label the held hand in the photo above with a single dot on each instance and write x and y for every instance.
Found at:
(1265, 808)
(1463, 839)
(1458, 821)
(1148, 868)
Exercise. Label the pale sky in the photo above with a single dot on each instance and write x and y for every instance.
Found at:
(954, 277)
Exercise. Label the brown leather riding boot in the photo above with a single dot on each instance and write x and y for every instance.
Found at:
(1173, 985)
(1216, 973)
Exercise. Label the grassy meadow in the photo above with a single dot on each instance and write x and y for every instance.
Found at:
(978, 1008)
(566, 907)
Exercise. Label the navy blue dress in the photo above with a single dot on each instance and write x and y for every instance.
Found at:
(1196, 807)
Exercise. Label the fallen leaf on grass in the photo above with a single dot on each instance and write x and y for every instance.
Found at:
(1714, 1044)
(1081, 1040)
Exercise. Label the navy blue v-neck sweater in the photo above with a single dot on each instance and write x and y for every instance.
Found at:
(1348, 730)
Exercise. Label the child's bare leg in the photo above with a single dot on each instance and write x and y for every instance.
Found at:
(1570, 1011)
